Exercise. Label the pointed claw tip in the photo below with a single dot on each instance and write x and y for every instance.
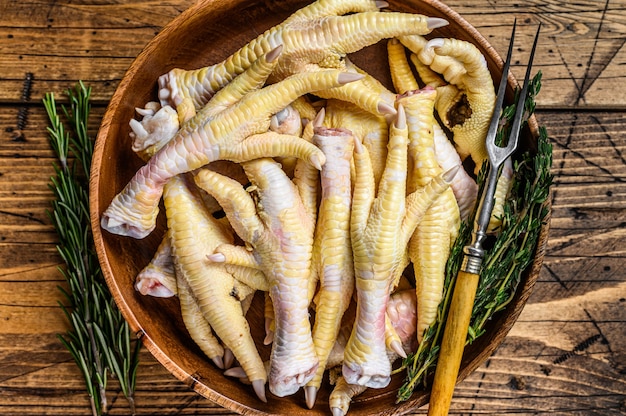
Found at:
(110, 222)
(144, 111)
(319, 118)
(138, 129)
(400, 122)
(216, 257)
(229, 358)
(381, 4)
(436, 22)
(434, 43)
(274, 53)
(236, 372)
(451, 173)
(396, 346)
(317, 160)
(337, 411)
(358, 146)
(310, 394)
(218, 362)
(385, 109)
(259, 389)
(346, 77)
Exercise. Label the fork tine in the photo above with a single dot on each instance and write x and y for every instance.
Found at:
(521, 101)
(495, 119)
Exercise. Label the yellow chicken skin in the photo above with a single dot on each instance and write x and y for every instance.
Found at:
(429, 246)
(157, 127)
(321, 8)
(470, 74)
(197, 326)
(367, 93)
(306, 177)
(401, 74)
(380, 229)
(279, 231)
(402, 311)
(163, 277)
(200, 84)
(429, 74)
(195, 233)
(288, 121)
(332, 251)
(370, 129)
(238, 133)
(310, 44)
(252, 79)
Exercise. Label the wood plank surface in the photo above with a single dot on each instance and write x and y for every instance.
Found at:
(566, 355)
(581, 51)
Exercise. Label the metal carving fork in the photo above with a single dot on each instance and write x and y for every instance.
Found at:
(457, 324)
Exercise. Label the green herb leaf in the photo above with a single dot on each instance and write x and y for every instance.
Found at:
(505, 261)
(96, 324)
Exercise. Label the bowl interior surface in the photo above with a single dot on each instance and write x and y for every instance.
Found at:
(205, 34)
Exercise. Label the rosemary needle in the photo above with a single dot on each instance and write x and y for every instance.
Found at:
(99, 339)
(511, 253)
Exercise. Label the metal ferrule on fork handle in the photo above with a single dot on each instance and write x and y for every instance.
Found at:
(473, 259)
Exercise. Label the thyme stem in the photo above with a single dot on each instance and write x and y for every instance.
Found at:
(511, 253)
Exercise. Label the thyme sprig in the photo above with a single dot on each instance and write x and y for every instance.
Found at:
(99, 339)
(505, 260)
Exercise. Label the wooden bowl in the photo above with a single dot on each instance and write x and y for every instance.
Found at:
(205, 34)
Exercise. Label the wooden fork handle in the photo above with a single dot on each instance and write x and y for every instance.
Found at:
(453, 343)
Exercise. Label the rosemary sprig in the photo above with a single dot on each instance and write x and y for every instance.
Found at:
(511, 253)
(99, 339)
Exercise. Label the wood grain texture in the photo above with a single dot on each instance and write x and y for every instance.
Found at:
(581, 52)
(566, 355)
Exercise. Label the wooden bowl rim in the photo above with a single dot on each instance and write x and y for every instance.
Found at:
(469, 363)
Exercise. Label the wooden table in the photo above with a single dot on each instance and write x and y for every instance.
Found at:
(565, 356)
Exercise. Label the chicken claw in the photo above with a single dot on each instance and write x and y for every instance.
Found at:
(280, 233)
(208, 286)
(311, 43)
(469, 112)
(231, 135)
(429, 246)
(332, 250)
(381, 226)
(158, 278)
(402, 312)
